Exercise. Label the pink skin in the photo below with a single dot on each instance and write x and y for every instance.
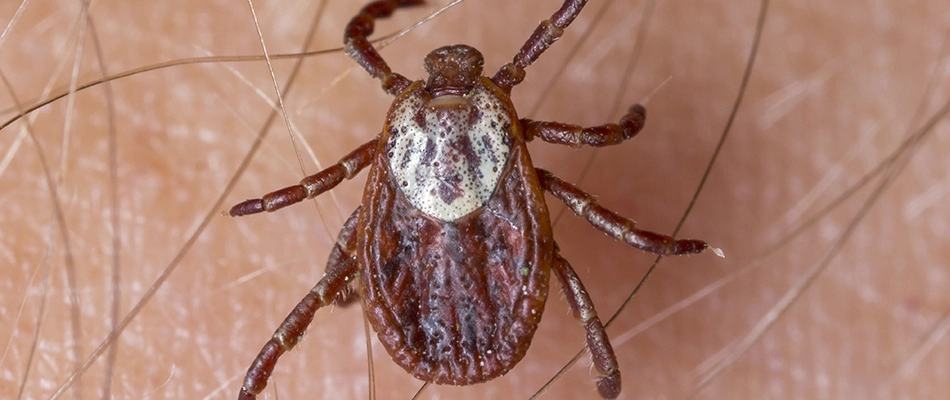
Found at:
(829, 84)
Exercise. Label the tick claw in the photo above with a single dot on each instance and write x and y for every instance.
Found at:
(247, 207)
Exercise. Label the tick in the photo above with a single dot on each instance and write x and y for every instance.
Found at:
(452, 243)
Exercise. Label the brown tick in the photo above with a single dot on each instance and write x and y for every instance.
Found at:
(452, 244)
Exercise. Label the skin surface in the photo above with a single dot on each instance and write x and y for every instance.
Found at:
(833, 91)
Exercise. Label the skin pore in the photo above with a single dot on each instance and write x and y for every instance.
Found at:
(832, 94)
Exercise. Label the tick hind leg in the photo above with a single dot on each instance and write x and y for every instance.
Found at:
(601, 352)
(341, 269)
(343, 250)
(613, 224)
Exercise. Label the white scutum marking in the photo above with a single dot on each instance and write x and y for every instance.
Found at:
(448, 166)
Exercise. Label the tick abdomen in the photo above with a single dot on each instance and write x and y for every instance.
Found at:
(455, 302)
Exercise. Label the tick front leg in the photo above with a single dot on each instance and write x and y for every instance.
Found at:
(312, 185)
(341, 269)
(613, 224)
(547, 32)
(601, 352)
(577, 136)
(360, 49)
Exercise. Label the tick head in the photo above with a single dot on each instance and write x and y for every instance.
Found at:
(453, 70)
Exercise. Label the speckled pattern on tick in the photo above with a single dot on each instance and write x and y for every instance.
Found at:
(454, 249)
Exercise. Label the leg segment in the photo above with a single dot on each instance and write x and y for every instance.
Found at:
(613, 224)
(608, 380)
(343, 249)
(547, 32)
(341, 269)
(312, 185)
(360, 49)
(577, 136)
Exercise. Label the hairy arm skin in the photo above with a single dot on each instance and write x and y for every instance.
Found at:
(832, 86)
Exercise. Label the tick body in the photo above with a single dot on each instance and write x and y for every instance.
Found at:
(456, 247)
(452, 245)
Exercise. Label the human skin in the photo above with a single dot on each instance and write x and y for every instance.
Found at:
(833, 91)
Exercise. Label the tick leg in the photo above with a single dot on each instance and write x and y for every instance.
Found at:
(312, 185)
(577, 136)
(360, 49)
(343, 249)
(613, 224)
(608, 381)
(547, 32)
(341, 269)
